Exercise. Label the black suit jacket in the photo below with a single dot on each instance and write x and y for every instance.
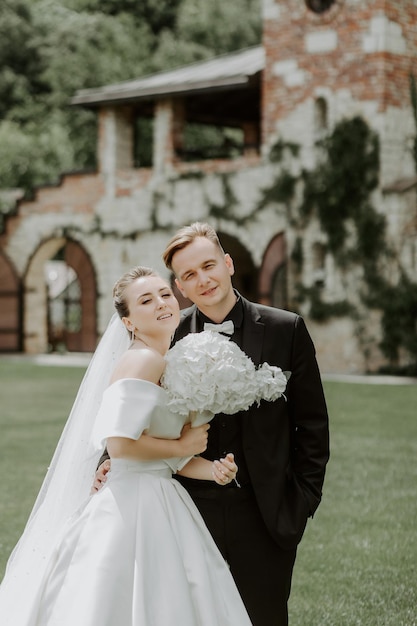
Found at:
(285, 443)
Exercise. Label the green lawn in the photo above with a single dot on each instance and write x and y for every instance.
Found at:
(357, 563)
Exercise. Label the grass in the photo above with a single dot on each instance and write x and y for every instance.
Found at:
(357, 563)
(34, 404)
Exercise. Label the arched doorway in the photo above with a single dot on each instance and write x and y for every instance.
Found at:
(60, 299)
(273, 285)
(246, 274)
(10, 307)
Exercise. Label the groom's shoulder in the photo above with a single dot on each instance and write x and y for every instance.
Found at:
(259, 312)
(187, 313)
(270, 314)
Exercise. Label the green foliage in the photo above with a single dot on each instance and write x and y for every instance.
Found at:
(281, 190)
(21, 62)
(283, 187)
(224, 210)
(220, 26)
(413, 98)
(51, 48)
(399, 322)
(143, 142)
(28, 159)
(322, 311)
(205, 141)
(157, 14)
(281, 148)
(339, 187)
(338, 192)
(297, 255)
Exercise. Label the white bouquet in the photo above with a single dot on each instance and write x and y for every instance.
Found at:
(206, 372)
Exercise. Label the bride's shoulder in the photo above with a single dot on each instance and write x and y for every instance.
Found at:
(143, 363)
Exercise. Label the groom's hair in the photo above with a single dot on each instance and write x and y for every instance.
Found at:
(186, 235)
(119, 298)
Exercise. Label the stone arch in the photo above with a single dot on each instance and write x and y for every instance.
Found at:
(10, 307)
(273, 289)
(36, 311)
(246, 274)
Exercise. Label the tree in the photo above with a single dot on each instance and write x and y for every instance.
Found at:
(51, 48)
(21, 64)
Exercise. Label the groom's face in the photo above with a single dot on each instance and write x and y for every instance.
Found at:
(203, 274)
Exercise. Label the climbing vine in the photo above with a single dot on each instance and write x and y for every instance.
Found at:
(340, 185)
(413, 98)
(338, 191)
(399, 323)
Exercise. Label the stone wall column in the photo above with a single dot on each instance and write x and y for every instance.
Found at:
(115, 143)
(168, 133)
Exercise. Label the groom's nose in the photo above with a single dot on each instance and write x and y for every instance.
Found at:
(202, 277)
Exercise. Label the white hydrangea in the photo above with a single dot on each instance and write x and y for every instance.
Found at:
(206, 372)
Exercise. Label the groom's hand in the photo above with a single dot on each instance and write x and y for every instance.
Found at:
(100, 477)
(225, 470)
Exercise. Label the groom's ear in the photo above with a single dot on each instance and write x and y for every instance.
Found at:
(181, 289)
(229, 263)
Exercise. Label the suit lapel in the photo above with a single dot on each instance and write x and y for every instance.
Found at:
(253, 332)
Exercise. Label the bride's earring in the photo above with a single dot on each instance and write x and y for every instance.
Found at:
(132, 334)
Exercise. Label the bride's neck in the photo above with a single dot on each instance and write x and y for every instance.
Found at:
(160, 344)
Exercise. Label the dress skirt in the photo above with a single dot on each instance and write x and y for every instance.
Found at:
(139, 554)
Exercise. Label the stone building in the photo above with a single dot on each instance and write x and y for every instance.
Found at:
(323, 66)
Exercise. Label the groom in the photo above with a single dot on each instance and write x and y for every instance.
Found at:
(281, 447)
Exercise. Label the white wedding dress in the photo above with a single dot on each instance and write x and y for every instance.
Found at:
(138, 552)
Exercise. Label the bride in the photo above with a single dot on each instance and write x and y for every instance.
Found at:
(137, 553)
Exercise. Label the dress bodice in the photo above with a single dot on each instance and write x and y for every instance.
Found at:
(131, 407)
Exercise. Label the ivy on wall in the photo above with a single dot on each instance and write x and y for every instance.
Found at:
(339, 187)
(338, 192)
(413, 98)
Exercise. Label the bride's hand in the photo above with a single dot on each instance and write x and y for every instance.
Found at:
(100, 476)
(193, 440)
(225, 470)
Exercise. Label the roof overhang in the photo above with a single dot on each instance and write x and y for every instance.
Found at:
(228, 72)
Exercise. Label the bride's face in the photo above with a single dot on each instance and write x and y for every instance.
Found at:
(153, 308)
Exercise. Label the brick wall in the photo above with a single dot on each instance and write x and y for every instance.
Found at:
(359, 53)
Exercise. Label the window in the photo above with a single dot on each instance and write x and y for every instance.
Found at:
(204, 141)
(320, 115)
(319, 6)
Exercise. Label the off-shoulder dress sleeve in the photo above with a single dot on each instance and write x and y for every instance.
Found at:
(126, 410)
(131, 407)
